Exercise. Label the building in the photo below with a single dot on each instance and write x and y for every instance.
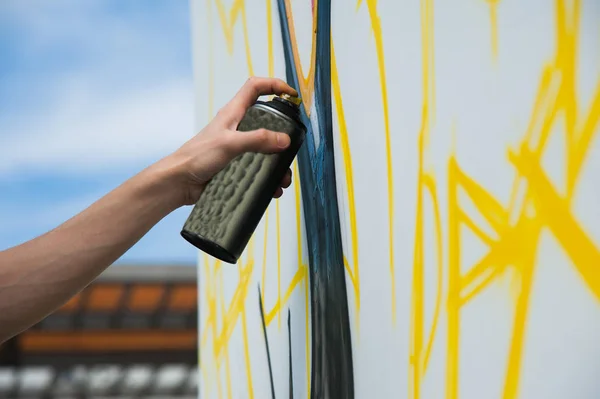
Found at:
(131, 333)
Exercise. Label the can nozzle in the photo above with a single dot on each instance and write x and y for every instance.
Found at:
(295, 101)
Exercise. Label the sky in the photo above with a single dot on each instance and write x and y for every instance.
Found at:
(91, 92)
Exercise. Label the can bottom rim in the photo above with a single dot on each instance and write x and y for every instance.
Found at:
(211, 248)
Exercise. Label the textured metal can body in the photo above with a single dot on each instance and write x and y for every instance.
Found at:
(234, 201)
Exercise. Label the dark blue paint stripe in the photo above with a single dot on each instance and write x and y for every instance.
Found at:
(332, 367)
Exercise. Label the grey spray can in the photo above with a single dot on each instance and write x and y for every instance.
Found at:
(234, 201)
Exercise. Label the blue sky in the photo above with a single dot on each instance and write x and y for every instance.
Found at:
(90, 93)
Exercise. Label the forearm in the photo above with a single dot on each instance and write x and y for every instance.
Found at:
(39, 276)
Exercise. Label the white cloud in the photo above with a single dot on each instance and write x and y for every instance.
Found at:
(93, 24)
(83, 133)
(121, 96)
(93, 87)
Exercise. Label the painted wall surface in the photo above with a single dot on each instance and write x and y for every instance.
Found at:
(441, 238)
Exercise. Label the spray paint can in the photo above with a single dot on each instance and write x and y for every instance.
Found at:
(235, 199)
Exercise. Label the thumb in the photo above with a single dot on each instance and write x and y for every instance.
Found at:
(260, 140)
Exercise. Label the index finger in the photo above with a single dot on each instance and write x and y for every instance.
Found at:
(253, 88)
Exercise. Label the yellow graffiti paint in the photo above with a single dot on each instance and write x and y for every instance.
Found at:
(420, 347)
(493, 4)
(270, 38)
(229, 319)
(376, 27)
(278, 307)
(429, 183)
(353, 273)
(226, 349)
(247, 352)
(211, 66)
(516, 243)
(511, 233)
(278, 263)
(228, 316)
(306, 82)
(237, 9)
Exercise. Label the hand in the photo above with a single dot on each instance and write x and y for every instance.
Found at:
(218, 143)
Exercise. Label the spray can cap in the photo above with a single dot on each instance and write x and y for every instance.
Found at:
(294, 101)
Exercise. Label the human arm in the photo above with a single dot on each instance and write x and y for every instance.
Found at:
(40, 275)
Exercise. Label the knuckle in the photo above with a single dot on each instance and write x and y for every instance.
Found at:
(228, 141)
(224, 113)
(252, 81)
(263, 135)
(253, 85)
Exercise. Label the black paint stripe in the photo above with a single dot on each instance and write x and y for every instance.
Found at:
(262, 316)
(290, 356)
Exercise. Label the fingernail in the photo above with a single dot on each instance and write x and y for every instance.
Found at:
(283, 140)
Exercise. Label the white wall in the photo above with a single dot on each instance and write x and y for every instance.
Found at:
(468, 84)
